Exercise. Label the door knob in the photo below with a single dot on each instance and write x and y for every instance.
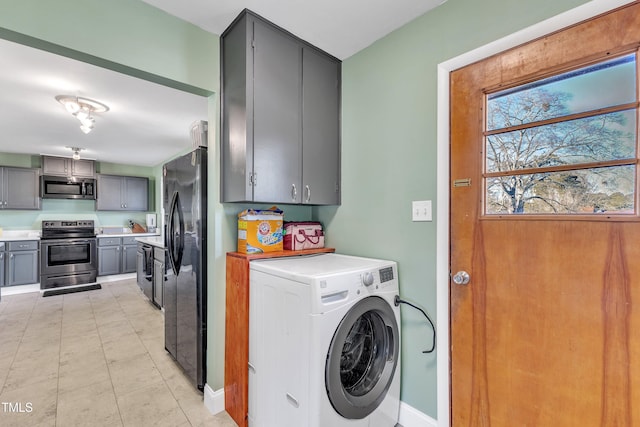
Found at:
(461, 278)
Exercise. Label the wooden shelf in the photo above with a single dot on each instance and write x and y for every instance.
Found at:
(281, 254)
(236, 366)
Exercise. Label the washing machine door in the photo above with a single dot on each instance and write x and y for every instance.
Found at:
(362, 358)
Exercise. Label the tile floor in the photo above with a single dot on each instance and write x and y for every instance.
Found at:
(92, 358)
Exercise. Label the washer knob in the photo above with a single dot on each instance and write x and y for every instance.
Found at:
(367, 278)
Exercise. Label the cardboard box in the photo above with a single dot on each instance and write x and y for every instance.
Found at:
(260, 231)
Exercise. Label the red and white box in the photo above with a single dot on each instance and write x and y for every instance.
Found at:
(303, 235)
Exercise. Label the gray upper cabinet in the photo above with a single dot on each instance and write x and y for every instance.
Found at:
(320, 130)
(64, 166)
(19, 188)
(281, 104)
(277, 88)
(122, 193)
(83, 168)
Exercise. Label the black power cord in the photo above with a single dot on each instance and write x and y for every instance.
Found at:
(397, 301)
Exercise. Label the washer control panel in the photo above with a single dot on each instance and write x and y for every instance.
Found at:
(379, 277)
(386, 274)
(367, 278)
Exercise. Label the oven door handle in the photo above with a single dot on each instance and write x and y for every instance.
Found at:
(65, 242)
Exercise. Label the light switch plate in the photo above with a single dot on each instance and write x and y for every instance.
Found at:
(421, 210)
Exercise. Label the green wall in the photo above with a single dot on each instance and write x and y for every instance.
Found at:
(126, 35)
(388, 134)
(389, 156)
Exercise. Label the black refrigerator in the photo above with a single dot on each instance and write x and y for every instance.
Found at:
(185, 288)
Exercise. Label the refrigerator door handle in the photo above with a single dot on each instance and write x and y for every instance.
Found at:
(170, 235)
(181, 232)
(176, 237)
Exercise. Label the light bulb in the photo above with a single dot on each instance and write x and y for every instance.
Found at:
(82, 114)
(72, 107)
(88, 122)
(85, 129)
(76, 156)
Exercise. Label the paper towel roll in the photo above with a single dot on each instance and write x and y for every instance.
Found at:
(151, 220)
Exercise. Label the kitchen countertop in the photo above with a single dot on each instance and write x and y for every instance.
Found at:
(127, 235)
(12, 235)
(156, 240)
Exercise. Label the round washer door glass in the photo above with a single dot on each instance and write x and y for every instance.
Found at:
(362, 358)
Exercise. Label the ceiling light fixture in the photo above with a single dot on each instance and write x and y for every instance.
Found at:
(76, 152)
(82, 109)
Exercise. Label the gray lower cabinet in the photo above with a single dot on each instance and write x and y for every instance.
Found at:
(109, 257)
(21, 263)
(122, 193)
(2, 258)
(158, 275)
(280, 117)
(19, 188)
(129, 251)
(116, 255)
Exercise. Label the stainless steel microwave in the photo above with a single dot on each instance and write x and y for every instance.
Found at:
(62, 187)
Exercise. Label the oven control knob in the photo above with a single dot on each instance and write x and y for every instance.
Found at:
(367, 278)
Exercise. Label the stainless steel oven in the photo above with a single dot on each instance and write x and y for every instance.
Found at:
(68, 254)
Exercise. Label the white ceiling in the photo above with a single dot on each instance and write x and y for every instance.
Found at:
(339, 27)
(148, 123)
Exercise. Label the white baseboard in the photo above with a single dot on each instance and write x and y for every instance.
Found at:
(20, 289)
(411, 417)
(115, 277)
(213, 400)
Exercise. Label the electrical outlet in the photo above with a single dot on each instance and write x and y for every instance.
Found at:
(421, 210)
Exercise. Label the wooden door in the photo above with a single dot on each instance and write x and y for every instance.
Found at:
(546, 333)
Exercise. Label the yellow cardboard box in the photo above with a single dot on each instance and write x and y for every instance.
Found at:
(260, 231)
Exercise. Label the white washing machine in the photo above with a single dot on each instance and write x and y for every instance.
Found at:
(324, 342)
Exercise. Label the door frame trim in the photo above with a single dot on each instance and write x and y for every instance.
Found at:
(555, 23)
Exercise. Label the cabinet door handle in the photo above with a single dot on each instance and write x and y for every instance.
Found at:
(308, 189)
(293, 400)
(294, 192)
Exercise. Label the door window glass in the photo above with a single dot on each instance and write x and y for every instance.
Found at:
(566, 144)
